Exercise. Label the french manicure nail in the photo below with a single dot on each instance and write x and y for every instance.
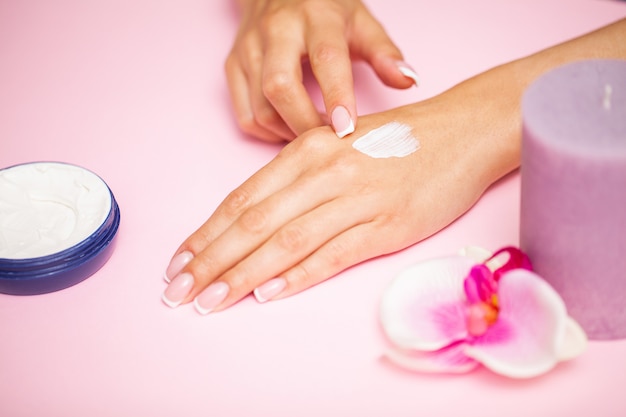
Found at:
(408, 71)
(177, 264)
(270, 289)
(178, 289)
(342, 122)
(211, 297)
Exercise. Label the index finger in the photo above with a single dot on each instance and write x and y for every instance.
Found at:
(329, 54)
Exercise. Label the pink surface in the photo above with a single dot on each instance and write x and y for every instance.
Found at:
(135, 91)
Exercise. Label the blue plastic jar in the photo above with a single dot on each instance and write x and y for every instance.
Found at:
(58, 224)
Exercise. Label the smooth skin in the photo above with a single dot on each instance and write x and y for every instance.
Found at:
(321, 206)
(264, 68)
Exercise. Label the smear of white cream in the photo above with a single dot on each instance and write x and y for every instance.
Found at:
(390, 140)
(47, 207)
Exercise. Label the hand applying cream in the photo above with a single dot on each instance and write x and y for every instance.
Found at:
(265, 72)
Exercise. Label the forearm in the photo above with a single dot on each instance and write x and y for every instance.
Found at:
(490, 103)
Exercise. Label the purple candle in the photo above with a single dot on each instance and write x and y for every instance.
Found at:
(573, 202)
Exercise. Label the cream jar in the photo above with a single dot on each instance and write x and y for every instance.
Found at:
(58, 224)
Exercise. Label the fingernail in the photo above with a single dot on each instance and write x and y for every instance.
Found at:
(177, 264)
(178, 289)
(408, 71)
(270, 289)
(211, 297)
(342, 122)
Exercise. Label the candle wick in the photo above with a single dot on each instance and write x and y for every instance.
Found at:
(608, 90)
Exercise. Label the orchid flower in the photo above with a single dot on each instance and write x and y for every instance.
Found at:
(454, 313)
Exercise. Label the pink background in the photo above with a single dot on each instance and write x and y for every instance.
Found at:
(135, 91)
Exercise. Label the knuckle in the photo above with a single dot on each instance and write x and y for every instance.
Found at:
(291, 238)
(311, 145)
(336, 165)
(253, 220)
(277, 84)
(335, 255)
(325, 53)
(236, 203)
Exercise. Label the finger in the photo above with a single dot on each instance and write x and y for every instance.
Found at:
(357, 244)
(369, 41)
(277, 174)
(331, 64)
(283, 86)
(255, 115)
(289, 245)
(265, 114)
(269, 180)
(247, 232)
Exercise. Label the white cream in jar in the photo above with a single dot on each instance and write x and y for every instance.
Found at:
(56, 224)
(48, 207)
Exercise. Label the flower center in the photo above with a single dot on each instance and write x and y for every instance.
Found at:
(481, 292)
(480, 316)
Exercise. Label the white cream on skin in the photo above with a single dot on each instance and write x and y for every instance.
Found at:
(48, 207)
(390, 140)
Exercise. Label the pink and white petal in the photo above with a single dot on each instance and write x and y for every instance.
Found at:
(525, 340)
(451, 360)
(574, 342)
(424, 307)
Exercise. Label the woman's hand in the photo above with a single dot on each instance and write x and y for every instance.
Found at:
(321, 206)
(264, 67)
